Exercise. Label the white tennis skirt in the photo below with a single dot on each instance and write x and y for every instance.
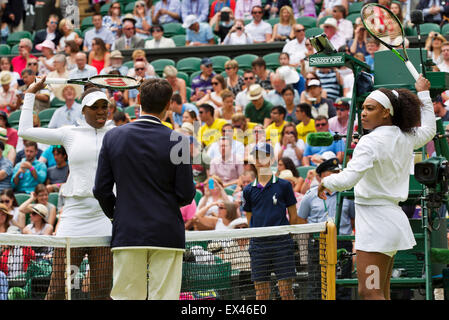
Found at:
(382, 228)
(83, 216)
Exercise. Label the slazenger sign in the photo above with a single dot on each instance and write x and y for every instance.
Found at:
(326, 61)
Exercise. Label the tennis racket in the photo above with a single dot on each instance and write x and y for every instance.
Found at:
(384, 26)
(116, 82)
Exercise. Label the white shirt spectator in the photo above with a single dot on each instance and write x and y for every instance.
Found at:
(346, 29)
(163, 43)
(233, 38)
(87, 72)
(64, 116)
(238, 149)
(296, 50)
(258, 31)
(443, 67)
(338, 40)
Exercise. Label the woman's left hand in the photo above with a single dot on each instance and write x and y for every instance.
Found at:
(37, 86)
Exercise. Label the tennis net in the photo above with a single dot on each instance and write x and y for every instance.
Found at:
(287, 262)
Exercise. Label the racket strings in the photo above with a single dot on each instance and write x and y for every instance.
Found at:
(382, 24)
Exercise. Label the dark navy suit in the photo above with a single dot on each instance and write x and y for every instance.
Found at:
(150, 187)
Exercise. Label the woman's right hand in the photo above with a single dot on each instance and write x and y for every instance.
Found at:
(422, 84)
(37, 86)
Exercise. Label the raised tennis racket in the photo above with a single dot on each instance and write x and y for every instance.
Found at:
(116, 82)
(384, 26)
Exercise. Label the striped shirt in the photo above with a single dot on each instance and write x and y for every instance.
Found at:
(330, 84)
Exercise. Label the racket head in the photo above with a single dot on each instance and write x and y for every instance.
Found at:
(383, 25)
(115, 82)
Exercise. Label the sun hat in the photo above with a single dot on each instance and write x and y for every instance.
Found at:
(190, 19)
(41, 210)
(5, 77)
(46, 44)
(255, 91)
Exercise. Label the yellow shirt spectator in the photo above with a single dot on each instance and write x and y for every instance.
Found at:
(304, 130)
(273, 132)
(246, 137)
(211, 134)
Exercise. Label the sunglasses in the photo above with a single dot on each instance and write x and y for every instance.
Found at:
(229, 68)
(208, 65)
(138, 69)
(5, 201)
(249, 78)
(215, 83)
(32, 63)
(256, 12)
(156, 30)
(342, 109)
(300, 30)
(318, 125)
(130, 28)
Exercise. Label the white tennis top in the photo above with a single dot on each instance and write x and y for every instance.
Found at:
(82, 144)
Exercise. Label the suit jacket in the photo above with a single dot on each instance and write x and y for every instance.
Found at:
(41, 35)
(424, 4)
(136, 43)
(151, 188)
(18, 9)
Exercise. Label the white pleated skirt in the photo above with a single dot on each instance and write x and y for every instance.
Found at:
(83, 216)
(382, 228)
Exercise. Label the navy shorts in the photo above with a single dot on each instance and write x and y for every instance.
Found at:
(272, 254)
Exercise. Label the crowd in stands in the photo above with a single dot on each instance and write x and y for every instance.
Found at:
(226, 111)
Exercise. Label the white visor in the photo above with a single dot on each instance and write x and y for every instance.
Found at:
(93, 97)
(382, 98)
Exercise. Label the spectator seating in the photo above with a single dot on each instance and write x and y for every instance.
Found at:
(445, 29)
(13, 118)
(172, 29)
(131, 112)
(56, 103)
(426, 28)
(14, 38)
(198, 196)
(273, 21)
(307, 22)
(272, 60)
(245, 60)
(321, 21)
(86, 23)
(45, 116)
(179, 40)
(4, 49)
(160, 64)
(313, 32)
(352, 17)
(355, 7)
(189, 65)
(184, 76)
(188, 93)
(193, 75)
(21, 197)
(53, 198)
(218, 63)
(129, 7)
(303, 170)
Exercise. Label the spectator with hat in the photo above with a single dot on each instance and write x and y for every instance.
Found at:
(167, 11)
(266, 201)
(200, 8)
(202, 82)
(258, 109)
(50, 33)
(260, 30)
(8, 95)
(98, 31)
(159, 41)
(40, 196)
(46, 61)
(330, 27)
(39, 226)
(339, 123)
(70, 112)
(6, 224)
(116, 63)
(320, 105)
(128, 40)
(313, 210)
(198, 33)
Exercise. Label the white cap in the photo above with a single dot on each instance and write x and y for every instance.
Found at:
(93, 97)
(314, 82)
(289, 74)
(330, 22)
(190, 19)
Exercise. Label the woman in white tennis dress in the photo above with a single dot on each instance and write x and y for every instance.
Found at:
(379, 172)
(82, 214)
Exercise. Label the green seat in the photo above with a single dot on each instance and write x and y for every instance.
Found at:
(245, 60)
(307, 22)
(179, 40)
(172, 29)
(188, 93)
(160, 64)
(445, 29)
(4, 49)
(247, 21)
(86, 23)
(229, 191)
(53, 198)
(14, 117)
(14, 38)
(129, 7)
(355, 7)
(272, 60)
(21, 197)
(198, 196)
(273, 21)
(131, 112)
(426, 28)
(15, 49)
(321, 21)
(218, 63)
(184, 76)
(303, 170)
(189, 65)
(312, 32)
(45, 116)
(104, 9)
(239, 72)
(56, 103)
(352, 17)
(129, 64)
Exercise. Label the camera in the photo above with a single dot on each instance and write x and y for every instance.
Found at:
(239, 28)
(432, 172)
(224, 16)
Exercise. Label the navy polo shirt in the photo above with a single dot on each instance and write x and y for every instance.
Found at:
(268, 204)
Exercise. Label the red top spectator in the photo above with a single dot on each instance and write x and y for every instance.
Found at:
(217, 5)
(19, 63)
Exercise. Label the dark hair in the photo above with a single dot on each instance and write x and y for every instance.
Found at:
(207, 108)
(259, 62)
(89, 90)
(2, 146)
(29, 143)
(40, 188)
(192, 114)
(288, 125)
(321, 117)
(102, 45)
(231, 210)
(280, 109)
(176, 98)
(341, 8)
(288, 88)
(155, 94)
(60, 150)
(10, 194)
(222, 80)
(306, 108)
(407, 109)
(248, 71)
(74, 47)
(290, 165)
(119, 116)
(156, 26)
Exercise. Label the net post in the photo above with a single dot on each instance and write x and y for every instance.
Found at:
(330, 256)
(68, 270)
